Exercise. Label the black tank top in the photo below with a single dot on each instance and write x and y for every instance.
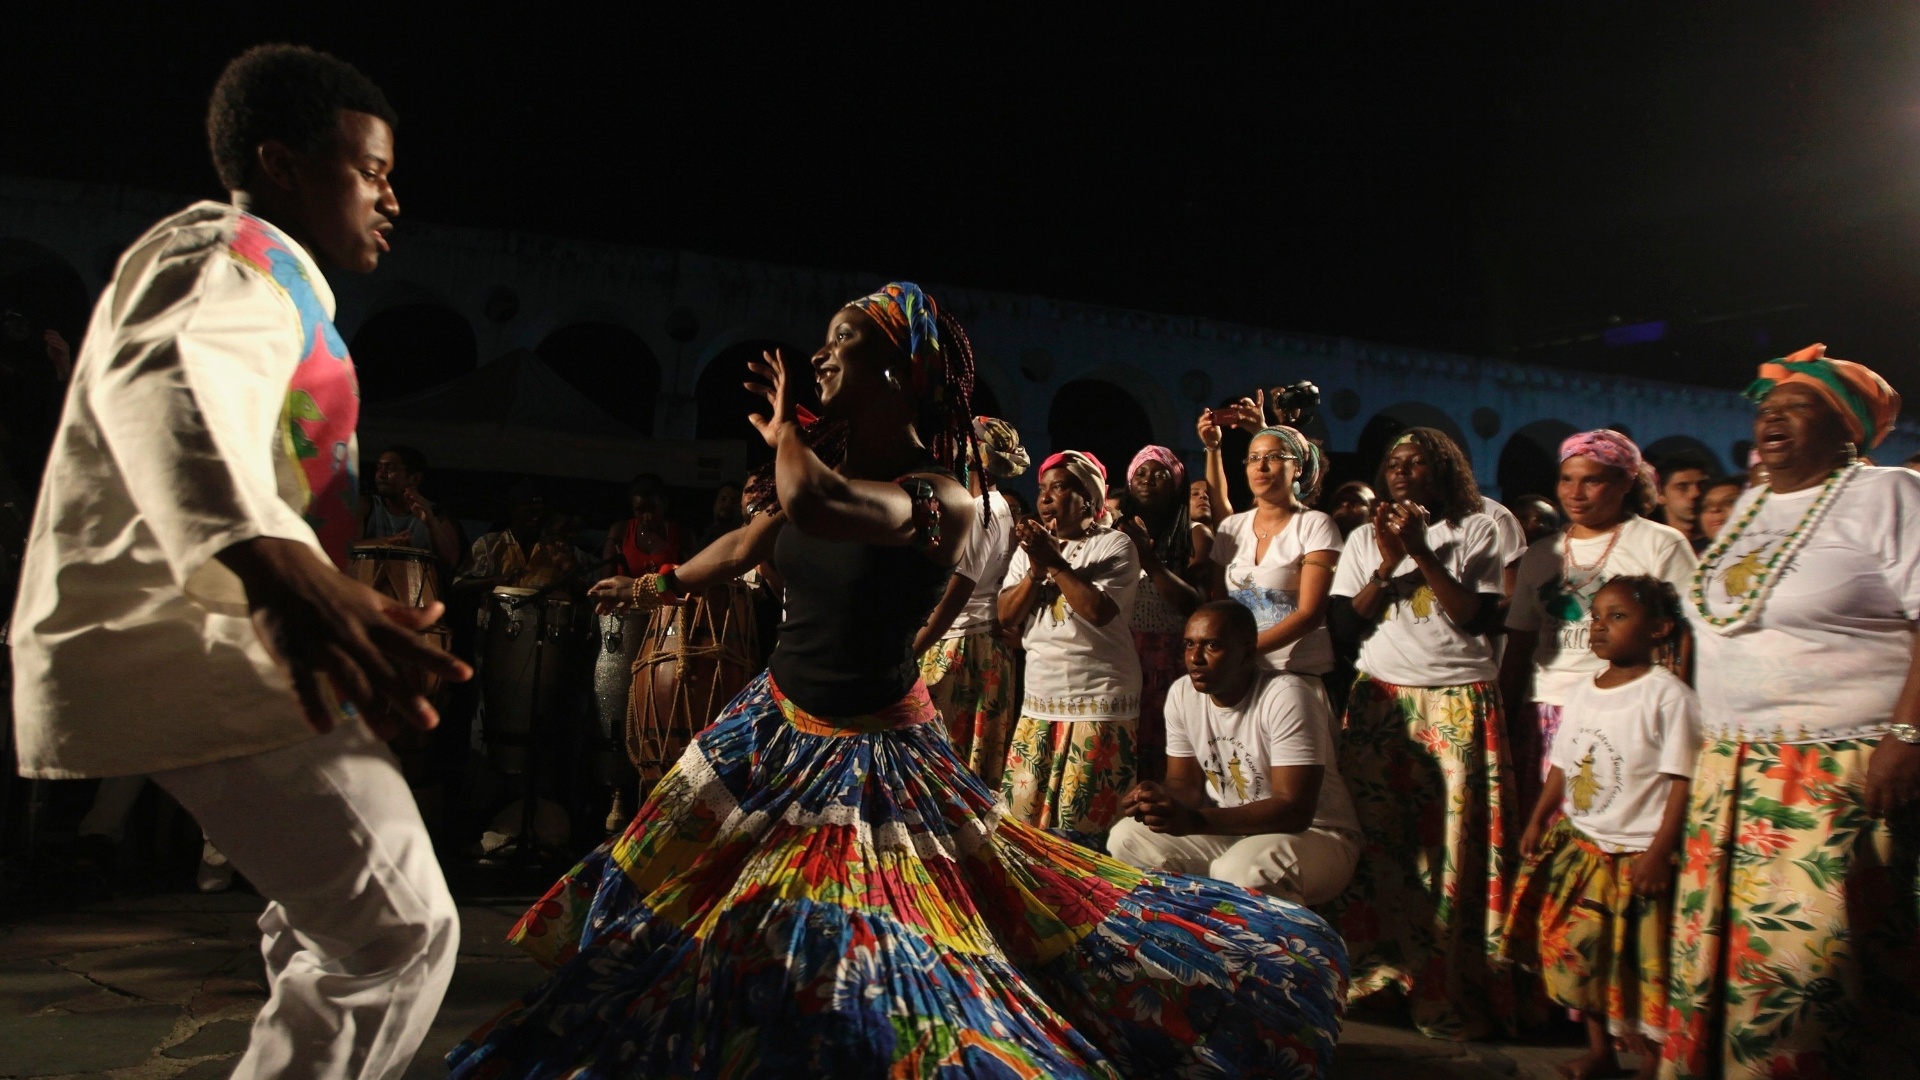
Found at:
(846, 645)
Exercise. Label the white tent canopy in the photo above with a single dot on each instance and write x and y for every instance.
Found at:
(517, 415)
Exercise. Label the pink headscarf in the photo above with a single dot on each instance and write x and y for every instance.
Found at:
(1165, 457)
(1609, 447)
(1087, 469)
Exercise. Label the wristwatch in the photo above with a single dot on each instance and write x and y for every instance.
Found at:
(1382, 580)
(1906, 733)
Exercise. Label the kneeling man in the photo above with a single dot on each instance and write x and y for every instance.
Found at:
(1253, 793)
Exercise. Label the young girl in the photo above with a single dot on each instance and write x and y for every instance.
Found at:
(1594, 901)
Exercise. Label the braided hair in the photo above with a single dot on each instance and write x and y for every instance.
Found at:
(1656, 597)
(945, 420)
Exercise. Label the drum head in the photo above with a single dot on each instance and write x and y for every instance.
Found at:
(513, 591)
(391, 551)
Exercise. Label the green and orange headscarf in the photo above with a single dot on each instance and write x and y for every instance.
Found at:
(940, 372)
(1866, 404)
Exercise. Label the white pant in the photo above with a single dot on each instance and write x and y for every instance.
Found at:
(360, 933)
(1310, 867)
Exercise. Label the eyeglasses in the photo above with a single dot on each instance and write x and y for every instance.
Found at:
(1271, 456)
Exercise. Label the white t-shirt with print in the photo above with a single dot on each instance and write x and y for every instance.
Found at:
(989, 550)
(1827, 654)
(1614, 745)
(1415, 643)
(1513, 538)
(1561, 611)
(1283, 720)
(1076, 670)
(1270, 587)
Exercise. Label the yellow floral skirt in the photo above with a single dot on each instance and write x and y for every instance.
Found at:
(971, 680)
(1070, 774)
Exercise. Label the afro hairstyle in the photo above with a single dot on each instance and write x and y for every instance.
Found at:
(285, 92)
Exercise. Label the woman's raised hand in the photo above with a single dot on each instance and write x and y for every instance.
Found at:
(777, 388)
(1208, 431)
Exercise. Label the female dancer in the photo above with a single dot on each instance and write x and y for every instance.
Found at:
(1069, 589)
(820, 888)
(1795, 938)
(968, 669)
(1605, 489)
(1163, 539)
(1424, 753)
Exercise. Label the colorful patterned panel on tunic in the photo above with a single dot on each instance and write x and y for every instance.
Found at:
(1070, 774)
(323, 400)
(1598, 947)
(1427, 770)
(854, 905)
(971, 680)
(1796, 947)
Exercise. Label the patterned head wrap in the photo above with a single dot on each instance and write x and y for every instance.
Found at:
(1165, 457)
(1609, 447)
(1087, 469)
(1313, 465)
(1000, 444)
(1863, 399)
(911, 320)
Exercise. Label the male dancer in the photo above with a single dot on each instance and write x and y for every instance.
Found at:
(181, 613)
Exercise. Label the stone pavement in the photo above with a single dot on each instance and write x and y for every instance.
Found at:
(164, 987)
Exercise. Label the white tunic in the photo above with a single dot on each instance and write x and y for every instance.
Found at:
(132, 649)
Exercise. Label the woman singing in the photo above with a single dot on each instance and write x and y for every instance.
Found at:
(821, 888)
(1794, 935)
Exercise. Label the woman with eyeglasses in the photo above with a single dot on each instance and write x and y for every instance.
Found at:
(1423, 750)
(1277, 559)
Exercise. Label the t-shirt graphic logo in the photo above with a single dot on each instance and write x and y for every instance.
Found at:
(1422, 602)
(1738, 577)
(1269, 606)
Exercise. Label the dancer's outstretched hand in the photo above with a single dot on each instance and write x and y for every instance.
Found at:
(777, 388)
(317, 621)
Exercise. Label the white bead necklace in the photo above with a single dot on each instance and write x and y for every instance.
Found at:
(1764, 579)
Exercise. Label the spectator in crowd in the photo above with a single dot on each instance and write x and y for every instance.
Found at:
(1163, 542)
(1716, 504)
(729, 513)
(1253, 793)
(1681, 479)
(646, 539)
(1351, 506)
(1539, 518)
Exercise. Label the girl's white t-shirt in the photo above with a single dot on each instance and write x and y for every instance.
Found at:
(1076, 670)
(1828, 653)
(989, 550)
(1415, 643)
(1613, 747)
(1270, 586)
(1560, 610)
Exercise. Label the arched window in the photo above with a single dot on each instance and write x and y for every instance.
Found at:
(404, 350)
(722, 405)
(611, 365)
(1530, 462)
(1096, 415)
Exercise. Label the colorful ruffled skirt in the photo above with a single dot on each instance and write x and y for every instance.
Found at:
(1428, 771)
(807, 897)
(1796, 948)
(971, 679)
(1597, 947)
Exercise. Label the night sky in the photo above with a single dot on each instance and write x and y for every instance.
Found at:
(1508, 180)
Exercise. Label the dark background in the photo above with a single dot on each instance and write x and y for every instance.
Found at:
(1511, 180)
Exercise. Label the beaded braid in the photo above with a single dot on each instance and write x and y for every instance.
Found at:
(946, 415)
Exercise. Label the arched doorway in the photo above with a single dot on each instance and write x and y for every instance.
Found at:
(1096, 415)
(611, 365)
(722, 404)
(1680, 450)
(1530, 462)
(404, 350)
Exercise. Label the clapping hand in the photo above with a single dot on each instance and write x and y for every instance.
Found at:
(1043, 551)
(1410, 523)
(1386, 536)
(1134, 529)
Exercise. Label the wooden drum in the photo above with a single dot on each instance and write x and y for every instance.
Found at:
(406, 574)
(695, 659)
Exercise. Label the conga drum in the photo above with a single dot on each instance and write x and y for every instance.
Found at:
(406, 574)
(696, 657)
(531, 653)
(620, 641)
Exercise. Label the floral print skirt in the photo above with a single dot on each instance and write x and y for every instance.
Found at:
(972, 681)
(805, 896)
(1161, 665)
(1070, 774)
(1429, 773)
(1796, 951)
(1598, 947)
